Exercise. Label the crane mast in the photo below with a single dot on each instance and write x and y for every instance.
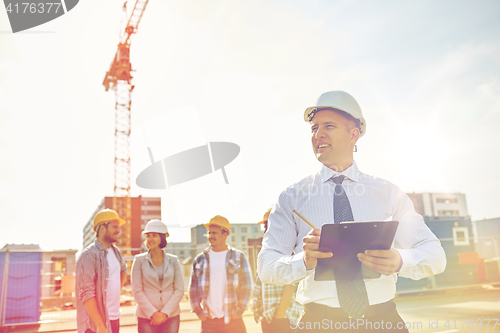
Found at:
(119, 78)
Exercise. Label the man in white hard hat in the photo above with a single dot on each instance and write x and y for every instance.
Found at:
(340, 192)
(100, 275)
(221, 282)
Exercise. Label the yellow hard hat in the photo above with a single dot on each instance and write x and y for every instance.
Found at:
(265, 217)
(221, 221)
(107, 215)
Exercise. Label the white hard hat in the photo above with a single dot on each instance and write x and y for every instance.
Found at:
(339, 100)
(156, 226)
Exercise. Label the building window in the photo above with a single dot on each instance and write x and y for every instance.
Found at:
(447, 200)
(448, 212)
(233, 238)
(460, 236)
(59, 264)
(243, 238)
(255, 229)
(181, 253)
(151, 212)
(232, 230)
(243, 229)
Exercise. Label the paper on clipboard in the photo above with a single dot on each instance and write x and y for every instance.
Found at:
(345, 241)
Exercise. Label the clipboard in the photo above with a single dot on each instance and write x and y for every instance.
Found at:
(345, 241)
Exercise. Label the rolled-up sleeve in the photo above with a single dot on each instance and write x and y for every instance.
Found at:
(195, 290)
(245, 285)
(85, 275)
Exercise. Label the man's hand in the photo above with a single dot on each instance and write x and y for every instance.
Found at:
(384, 262)
(235, 317)
(311, 253)
(204, 317)
(158, 318)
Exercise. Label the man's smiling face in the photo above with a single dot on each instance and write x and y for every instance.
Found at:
(333, 138)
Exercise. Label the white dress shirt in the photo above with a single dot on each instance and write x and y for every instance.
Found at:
(371, 199)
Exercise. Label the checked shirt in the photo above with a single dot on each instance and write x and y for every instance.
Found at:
(266, 302)
(238, 287)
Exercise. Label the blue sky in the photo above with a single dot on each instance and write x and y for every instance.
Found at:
(426, 75)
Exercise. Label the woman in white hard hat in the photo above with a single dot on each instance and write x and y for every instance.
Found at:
(157, 283)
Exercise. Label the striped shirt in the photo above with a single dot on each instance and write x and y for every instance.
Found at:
(371, 199)
(238, 287)
(91, 281)
(267, 298)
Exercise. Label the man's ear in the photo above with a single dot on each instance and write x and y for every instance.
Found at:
(354, 134)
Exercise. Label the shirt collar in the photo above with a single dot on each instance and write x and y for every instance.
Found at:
(148, 256)
(351, 172)
(229, 248)
(102, 247)
(99, 245)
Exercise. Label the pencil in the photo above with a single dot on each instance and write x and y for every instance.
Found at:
(305, 220)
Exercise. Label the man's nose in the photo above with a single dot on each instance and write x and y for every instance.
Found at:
(320, 133)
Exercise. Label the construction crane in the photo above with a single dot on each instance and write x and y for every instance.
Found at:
(119, 78)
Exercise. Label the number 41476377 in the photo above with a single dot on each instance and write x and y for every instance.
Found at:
(33, 7)
(470, 323)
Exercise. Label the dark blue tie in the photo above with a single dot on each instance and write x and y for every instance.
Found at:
(353, 298)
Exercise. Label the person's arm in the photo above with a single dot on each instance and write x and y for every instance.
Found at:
(421, 254)
(195, 292)
(140, 297)
(257, 305)
(85, 274)
(173, 303)
(276, 264)
(123, 278)
(286, 298)
(93, 311)
(245, 283)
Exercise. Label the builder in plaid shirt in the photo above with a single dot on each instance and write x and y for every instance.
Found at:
(100, 275)
(221, 282)
(275, 306)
